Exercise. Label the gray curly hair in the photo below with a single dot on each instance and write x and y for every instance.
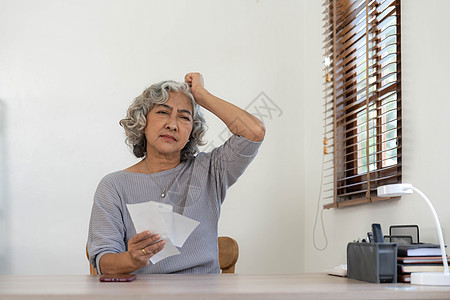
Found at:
(136, 119)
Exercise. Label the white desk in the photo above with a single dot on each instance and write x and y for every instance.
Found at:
(217, 287)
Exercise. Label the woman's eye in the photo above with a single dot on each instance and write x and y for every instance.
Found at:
(163, 112)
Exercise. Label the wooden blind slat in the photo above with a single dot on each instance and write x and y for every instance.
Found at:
(354, 109)
(351, 129)
(349, 13)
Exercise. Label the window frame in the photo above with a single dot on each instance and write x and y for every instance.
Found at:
(344, 82)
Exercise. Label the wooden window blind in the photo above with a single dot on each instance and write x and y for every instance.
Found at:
(362, 99)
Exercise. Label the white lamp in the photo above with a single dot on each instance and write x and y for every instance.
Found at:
(425, 278)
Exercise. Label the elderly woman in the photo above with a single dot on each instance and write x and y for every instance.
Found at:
(164, 126)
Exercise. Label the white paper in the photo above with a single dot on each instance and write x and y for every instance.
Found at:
(160, 219)
(182, 228)
(168, 250)
(153, 216)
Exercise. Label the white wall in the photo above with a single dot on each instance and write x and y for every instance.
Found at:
(69, 70)
(425, 75)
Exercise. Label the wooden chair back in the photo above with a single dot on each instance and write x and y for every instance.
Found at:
(228, 255)
(92, 270)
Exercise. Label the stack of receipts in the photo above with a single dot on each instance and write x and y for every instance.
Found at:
(159, 218)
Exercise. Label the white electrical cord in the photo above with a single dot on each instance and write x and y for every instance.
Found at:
(321, 213)
(327, 63)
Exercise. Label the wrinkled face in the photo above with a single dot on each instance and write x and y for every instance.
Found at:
(169, 126)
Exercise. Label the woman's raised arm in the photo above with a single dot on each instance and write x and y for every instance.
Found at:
(238, 121)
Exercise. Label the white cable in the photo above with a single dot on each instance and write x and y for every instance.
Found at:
(321, 213)
(327, 63)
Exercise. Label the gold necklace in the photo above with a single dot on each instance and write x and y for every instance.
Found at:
(163, 190)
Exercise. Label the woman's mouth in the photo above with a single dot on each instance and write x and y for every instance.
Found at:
(168, 137)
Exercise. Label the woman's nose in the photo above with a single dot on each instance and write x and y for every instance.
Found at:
(171, 127)
(172, 123)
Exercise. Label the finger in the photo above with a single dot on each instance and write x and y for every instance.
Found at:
(153, 249)
(151, 240)
(140, 237)
(146, 252)
(188, 77)
(159, 246)
(195, 76)
(146, 242)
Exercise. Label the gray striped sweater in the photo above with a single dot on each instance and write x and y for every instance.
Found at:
(196, 189)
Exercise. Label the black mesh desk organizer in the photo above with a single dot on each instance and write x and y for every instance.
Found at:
(372, 262)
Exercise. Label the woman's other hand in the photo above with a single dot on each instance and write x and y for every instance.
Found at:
(195, 81)
(143, 246)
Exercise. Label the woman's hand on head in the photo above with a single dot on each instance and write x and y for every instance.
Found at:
(248, 126)
(143, 246)
(195, 81)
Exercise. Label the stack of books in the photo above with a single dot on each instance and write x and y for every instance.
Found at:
(418, 258)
